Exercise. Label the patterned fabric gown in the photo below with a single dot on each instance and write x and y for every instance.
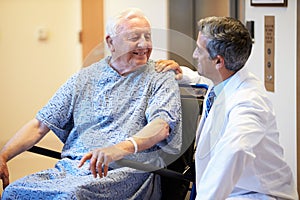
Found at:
(96, 108)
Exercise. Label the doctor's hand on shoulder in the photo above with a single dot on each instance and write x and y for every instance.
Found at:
(166, 65)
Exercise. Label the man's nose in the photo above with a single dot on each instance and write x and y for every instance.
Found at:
(142, 42)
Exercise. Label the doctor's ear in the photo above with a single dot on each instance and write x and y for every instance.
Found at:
(219, 61)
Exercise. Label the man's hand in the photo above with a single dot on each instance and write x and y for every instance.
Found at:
(102, 157)
(166, 65)
(4, 175)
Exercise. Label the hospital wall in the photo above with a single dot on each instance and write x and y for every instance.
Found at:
(31, 69)
(284, 97)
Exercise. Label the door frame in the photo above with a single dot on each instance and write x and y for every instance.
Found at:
(92, 28)
(298, 95)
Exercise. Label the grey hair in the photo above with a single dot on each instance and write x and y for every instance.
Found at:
(229, 38)
(113, 24)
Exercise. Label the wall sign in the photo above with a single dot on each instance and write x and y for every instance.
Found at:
(269, 53)
(280, 3)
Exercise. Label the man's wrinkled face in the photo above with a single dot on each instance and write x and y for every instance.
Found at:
(132, 45)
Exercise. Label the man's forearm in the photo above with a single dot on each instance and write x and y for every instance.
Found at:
(25, 138)
(153, 133)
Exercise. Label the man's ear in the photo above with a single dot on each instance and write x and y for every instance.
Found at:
(219, 61)
(109, 42)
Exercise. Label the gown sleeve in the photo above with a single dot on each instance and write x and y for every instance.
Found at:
(165, 104)
(57, 113)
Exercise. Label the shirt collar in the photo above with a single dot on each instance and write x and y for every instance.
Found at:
(218, 88)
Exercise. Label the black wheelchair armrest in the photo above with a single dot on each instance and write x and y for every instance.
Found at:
(156, 170)
(125, 163)
(45, 152)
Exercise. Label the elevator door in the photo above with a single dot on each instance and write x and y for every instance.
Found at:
(183, 17)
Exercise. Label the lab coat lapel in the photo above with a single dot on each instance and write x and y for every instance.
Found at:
(203, 119)
(212, 128)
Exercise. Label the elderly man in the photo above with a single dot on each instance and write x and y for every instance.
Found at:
(117, 107)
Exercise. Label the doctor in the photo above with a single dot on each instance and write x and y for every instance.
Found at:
(238, 155)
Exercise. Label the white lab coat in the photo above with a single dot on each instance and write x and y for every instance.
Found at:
(238, 145)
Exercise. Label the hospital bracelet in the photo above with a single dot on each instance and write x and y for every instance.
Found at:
(134, 144)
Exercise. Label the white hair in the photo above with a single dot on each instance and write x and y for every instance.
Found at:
(114, 22)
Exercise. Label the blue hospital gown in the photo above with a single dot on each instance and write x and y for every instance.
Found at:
(95, 108)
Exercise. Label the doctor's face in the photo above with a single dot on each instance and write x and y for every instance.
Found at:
(132, 46)
(205, 65)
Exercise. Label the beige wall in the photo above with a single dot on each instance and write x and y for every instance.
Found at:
(31, 70)
(284, 97)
